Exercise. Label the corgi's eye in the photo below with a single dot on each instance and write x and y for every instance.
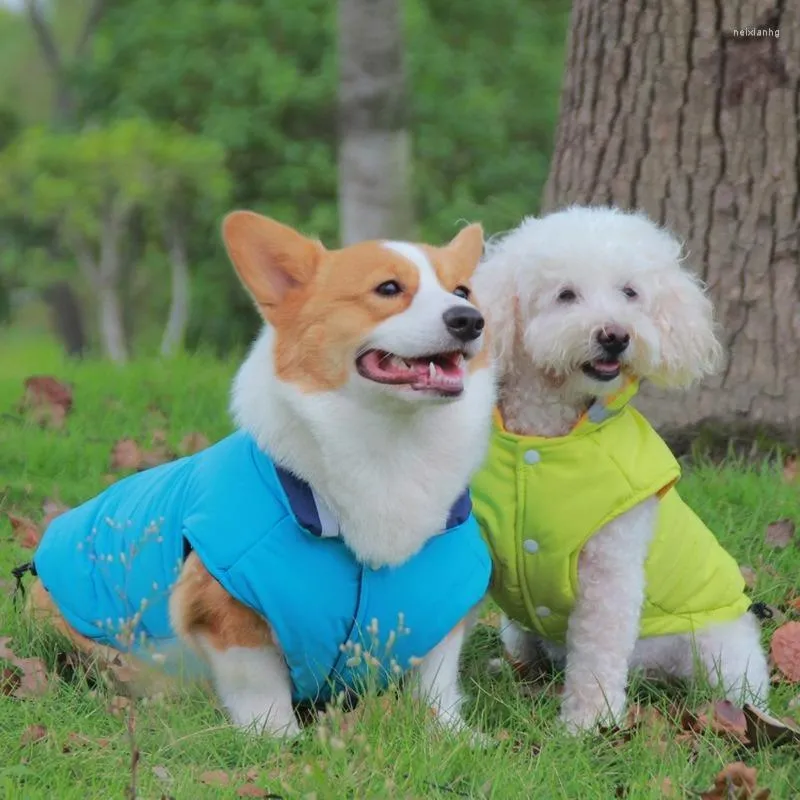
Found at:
(388, 289)
(461, 291)
(567, 296)
(630, 292)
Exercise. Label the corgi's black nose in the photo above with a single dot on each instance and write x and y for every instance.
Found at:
(614, 339)
(464, 322)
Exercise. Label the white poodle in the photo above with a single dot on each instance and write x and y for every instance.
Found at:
(597, 559)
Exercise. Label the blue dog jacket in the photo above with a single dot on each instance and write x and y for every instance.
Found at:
(266, 537)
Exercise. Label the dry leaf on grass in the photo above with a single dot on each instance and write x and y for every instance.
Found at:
(77, 741)
(790, 468)
(251, 790)
(215, 777)
(9, 681)
(764, 728)
(779, 534)
(785, 650)
(728, 720)
(126, 455)
(736, 781)
(26, 532)
(48, 399)
(33, 734)
(52, 509)
(162, 773)
(193, 443)
(749, 575)
(118, 705)
(33, 679)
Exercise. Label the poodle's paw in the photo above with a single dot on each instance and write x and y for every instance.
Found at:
(580, 716)
(453, 722)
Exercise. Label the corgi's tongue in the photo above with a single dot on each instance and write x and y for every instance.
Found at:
(441, 372)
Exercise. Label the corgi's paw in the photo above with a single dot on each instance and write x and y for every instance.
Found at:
(274, 721)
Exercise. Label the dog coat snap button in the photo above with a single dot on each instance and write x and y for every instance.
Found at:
(543, 611)
(532, 457)
(530, 546)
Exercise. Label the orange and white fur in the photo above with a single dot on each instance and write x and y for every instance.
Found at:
(388, 458)
(574, 300)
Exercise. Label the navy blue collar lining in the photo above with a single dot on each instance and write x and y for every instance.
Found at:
(301, 500)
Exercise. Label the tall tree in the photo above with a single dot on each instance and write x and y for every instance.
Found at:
(374, 139)
(88, 187)
(690, 110)
(58, 62)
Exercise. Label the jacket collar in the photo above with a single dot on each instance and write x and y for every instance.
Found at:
(312, 513)
(601, 410)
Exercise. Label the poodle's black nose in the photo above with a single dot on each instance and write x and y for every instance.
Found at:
(464, 322)
(614, 339)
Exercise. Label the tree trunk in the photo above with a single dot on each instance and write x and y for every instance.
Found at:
(374, 142)
(112, 330)
(178, 319)
(67, 317)
(690, 110)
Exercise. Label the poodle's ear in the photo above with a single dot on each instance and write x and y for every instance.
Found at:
(684, 316)
(495, 288)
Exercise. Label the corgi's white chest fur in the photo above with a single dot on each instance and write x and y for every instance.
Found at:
(390, 473)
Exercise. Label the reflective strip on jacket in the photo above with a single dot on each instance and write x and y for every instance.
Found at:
(538, 501)
(268, 539)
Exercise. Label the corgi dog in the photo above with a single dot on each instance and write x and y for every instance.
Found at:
(328, 544)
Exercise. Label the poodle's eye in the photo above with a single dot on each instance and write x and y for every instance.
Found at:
(462, 292)
(567, 296)
(388, 289)
(630, 292)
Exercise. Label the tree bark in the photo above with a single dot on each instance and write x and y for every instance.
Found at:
(112, 330)
(673, 108)
(67, 317)
(374, 141)
(178, 318)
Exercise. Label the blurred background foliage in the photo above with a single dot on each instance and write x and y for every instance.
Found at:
(213, 105)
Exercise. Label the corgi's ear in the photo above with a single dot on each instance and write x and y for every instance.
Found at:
(271, 259)
(467, 245)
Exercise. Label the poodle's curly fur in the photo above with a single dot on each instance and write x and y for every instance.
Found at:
(550, 289)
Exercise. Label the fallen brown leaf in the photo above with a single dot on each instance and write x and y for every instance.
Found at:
(49, 400)
(162, 773)
(215, 777)
(763, 727)
(785, 650)
(735, 781)
(118, 705)
(193, 443)
(25, 531)
(9, 681)
(779, 534)
(126, 455)
(251, 790)
(52, 509)
(667, 789)
(159, 454)
(33, 734)
(790, 468)
(77, 741)
(750, 576)
(730, 720)
(32, 673)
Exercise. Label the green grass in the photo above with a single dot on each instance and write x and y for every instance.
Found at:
(387, 751)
